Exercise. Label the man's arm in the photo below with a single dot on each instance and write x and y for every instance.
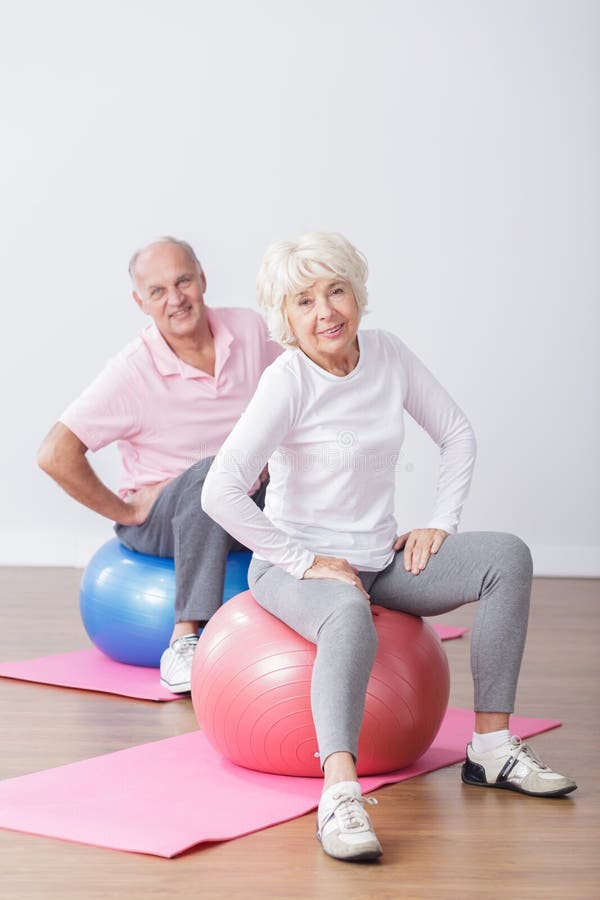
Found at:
(63, 456)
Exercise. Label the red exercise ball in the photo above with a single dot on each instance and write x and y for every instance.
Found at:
(251, 691)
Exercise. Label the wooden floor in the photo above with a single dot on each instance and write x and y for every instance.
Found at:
(441, 839)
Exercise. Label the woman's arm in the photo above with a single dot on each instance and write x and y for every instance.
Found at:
(259, 432)
(433, 408)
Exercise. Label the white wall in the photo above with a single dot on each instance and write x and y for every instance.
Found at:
(456, 142)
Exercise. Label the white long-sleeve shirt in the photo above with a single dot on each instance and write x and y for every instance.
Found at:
(332, 444)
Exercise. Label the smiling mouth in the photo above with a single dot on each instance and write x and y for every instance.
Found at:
(332, 332)
(180, 312)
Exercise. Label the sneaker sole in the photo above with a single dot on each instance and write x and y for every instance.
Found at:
(183, 688)
(507, 786)
(358, 856)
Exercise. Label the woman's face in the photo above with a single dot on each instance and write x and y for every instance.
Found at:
(324, 318)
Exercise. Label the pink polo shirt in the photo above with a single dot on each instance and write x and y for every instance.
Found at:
(165, 414)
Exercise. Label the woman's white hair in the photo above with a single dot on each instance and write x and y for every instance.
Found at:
(289, 267)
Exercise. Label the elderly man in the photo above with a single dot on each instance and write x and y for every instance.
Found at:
(169, 399)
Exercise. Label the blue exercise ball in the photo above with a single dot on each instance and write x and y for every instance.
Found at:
(127, 601)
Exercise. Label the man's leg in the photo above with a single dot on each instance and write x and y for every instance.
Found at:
(178, 527)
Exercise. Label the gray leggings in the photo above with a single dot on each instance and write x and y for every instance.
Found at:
(491, 567)
(178, 527)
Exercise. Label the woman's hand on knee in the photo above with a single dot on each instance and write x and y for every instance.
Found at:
(335, 567)
(418, 545)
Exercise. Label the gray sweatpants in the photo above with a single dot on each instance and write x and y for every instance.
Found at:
(491, 567)
(178, 527)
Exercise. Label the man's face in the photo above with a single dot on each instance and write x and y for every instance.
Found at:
(170, 289)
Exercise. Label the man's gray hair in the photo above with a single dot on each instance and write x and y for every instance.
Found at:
(167, 239)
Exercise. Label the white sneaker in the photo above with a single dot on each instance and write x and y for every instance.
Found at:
(514, 767)
(176, 664)
(343, 824)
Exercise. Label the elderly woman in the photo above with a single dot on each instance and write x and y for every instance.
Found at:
(328, 418)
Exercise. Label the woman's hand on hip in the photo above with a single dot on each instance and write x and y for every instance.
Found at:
(418, 545)
(335, 567)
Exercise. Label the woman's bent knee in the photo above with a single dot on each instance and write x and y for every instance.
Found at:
(516, 554)
(352, 617)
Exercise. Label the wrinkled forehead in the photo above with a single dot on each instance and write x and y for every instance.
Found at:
(162, 258)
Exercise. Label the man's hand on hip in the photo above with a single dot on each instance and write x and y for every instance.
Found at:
(142, 501)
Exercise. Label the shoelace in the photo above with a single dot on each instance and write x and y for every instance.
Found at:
(525, 750)
(185, 646)
(350, 811)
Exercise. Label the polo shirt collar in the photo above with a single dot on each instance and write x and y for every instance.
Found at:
(168, 363)
(222, 337)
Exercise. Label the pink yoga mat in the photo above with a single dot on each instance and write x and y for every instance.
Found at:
(91, 670)
(447, 632)
(165, 797)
